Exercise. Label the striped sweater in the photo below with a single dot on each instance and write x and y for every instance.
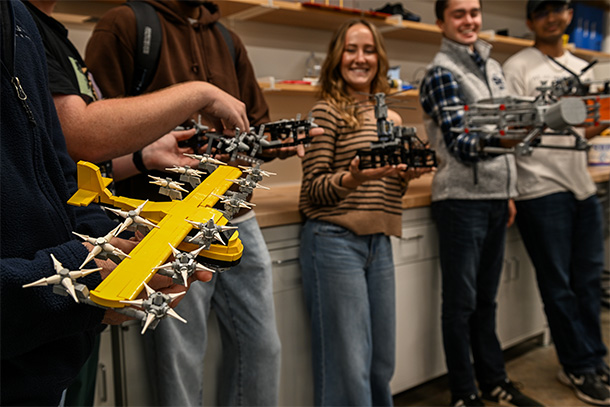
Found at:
(374, 207)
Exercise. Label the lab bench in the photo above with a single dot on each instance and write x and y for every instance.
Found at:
(419, 353)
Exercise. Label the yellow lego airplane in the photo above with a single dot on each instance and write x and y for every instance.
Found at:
(174, 220)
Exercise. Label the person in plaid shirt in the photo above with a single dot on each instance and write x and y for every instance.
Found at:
(472, 206)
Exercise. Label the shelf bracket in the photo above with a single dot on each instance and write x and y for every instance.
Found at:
(253, 12)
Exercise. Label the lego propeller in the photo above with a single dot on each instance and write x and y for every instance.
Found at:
(256, 171)
(169, 187)
(132, 218)
(208, 232)
(156, 306)
(64, 280)
(247, 185)
(102, 249)
(187, 174)
(234, 201)
(183, 266)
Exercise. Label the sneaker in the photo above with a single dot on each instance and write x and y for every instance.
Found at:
(472, 400)
(603, 372)
(507, 392)
(588, 387)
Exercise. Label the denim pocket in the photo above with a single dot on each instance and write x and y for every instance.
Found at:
(326, 229)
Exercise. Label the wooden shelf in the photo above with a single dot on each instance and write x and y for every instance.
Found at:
(300, 89)
(295, 14)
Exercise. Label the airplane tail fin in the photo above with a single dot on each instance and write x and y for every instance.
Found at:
(91, 185)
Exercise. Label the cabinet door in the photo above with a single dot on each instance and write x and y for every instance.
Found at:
(122, 371)
(296, 379)
(520, 313)
(104, 385)
(419, 349)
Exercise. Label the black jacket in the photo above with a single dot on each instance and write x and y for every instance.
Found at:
(45, 338)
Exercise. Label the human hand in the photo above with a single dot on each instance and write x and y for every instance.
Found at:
(408, 174)
(512, 213)
(158, 282)
(231, 111)
(165, 152)
(356, 176)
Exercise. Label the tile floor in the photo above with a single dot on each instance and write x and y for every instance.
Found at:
(529, 363)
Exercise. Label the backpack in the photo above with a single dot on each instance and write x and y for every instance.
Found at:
(148, 46)
(146, 59)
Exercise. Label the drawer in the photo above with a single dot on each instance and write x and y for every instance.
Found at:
(416, 216)
(279, 237)
(417, 243)
(286, 268)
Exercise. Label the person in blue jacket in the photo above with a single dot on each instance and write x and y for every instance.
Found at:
(44, 338)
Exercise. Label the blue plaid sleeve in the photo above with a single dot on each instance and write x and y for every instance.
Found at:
(439, 89)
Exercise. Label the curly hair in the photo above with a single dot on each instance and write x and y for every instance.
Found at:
(333, 87)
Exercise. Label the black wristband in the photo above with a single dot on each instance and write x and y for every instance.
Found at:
(137, 161)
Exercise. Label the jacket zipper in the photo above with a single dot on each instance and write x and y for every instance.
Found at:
(23, 98)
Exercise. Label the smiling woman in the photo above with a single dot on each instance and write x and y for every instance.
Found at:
(345, 254)
(359, 63)
(334, 86)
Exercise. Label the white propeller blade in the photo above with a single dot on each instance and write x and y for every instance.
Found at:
(44, 281)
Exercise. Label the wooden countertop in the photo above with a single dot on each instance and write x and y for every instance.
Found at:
(280, 205)
(600, 173)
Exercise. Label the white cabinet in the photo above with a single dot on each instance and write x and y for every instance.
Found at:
(296, 379)
(419, 342)
(122, 376)
(419, 353)
(520, 312)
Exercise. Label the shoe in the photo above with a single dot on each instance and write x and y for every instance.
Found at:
(507, 392)
(603, 372)
(472, 400)
(587, 386)
(397, 8)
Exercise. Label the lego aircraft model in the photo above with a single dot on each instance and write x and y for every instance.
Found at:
(396, 145)
(521, 121)
(573, 85)
(249, 145)
(169, 224)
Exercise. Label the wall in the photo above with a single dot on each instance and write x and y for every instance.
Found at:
(281, 52)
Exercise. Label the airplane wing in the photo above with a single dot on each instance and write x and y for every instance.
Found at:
(125, 281)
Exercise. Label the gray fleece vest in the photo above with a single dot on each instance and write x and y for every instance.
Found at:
(454, 179)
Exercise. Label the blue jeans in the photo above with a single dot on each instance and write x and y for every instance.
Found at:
(349, 288)
(472, 235)
(564, 239)
(242, 298)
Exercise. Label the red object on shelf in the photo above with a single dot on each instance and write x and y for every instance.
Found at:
(297, 82)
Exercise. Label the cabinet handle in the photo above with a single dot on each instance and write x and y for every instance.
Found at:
(103, 384)
(282, 262)
(507, 271)
(517, 268)
(414, 237)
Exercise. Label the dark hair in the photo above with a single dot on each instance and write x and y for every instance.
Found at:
(535, 5)
(439, 8)
(441, 5)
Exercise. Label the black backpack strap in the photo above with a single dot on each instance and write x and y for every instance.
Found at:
(148, 46)
(228, 39)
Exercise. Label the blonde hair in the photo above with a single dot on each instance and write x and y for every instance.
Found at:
(333, 87)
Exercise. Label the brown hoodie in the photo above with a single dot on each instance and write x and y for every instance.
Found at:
(189, 52)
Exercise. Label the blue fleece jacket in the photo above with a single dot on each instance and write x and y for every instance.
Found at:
(44, 338)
